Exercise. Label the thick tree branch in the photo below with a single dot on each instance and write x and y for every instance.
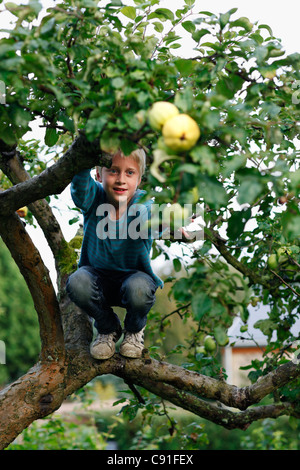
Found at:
(42, 390)
(214, 412)
(12, 167)
(33, 396)
(209, 387)
(82, 154)
(36, 275)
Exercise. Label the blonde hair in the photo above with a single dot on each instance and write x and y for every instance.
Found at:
(138, 155)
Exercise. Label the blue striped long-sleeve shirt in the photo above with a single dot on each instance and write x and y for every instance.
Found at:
(112, 253)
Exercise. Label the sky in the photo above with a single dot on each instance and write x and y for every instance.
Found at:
(282, 17)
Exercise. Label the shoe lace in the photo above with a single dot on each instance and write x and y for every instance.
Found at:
(135, 338)
(105, 338)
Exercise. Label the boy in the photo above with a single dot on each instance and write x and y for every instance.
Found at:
(114, 270)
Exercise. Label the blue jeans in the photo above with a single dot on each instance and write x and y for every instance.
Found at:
(96, 291)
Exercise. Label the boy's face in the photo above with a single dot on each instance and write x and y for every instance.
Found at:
(121, 180)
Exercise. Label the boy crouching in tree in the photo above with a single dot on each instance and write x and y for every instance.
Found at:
(114, 267)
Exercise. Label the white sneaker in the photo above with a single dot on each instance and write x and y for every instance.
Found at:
(104, 346)
(133, 344)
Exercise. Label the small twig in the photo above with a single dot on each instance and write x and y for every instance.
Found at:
(175, 311)
(136, 392)
(171, 421)
(284, 282)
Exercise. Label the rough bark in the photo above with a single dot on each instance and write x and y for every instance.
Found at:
(65, 363)
(81, 155)
(36, 275)
(43, 389)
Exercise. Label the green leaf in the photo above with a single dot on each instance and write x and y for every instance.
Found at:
(205, 156)
(237, 222)
(291, 226)
(177, 265)
(95, 125)
(211, 119)
(47, 26)
(20, 117)
(163, 14)
(201, 304)
(249, 190)
(266, 326)
(261, 52)
(220, 334)
(224, 19)
(271, 109)
(13, 8)
(130, 12)
(265, 26)
(7, 135)
(51, 136)
(184, 99)
(207, 13)
(127, 146)
(197, 35)
(118, 82)
(211, 191)
(228, 86)
(158, 26)
(243, 22)
(109, 142)
(184, 66)
(235, 163)
(189, 26)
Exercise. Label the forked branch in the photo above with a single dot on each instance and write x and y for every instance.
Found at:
(36, 275)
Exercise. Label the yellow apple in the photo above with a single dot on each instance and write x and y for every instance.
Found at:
(160, 112)
(181, 132)
(22, 212)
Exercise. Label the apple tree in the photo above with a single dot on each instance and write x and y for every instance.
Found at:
(88, 72)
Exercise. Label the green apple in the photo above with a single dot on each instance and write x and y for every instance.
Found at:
(254, 301)
(181, 132)
(210, 344)
(243, 328)
(283, 254)
(160, 112)
(291, 269)
(273, 262)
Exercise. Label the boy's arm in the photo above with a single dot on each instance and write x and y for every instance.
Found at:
(84, 190)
